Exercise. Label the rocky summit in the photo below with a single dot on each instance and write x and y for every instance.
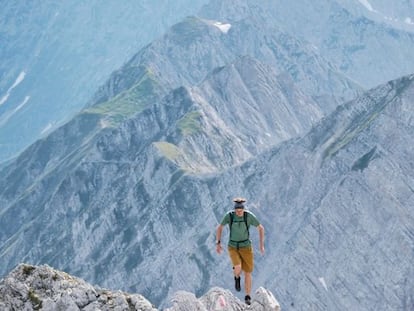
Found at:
(30, 287)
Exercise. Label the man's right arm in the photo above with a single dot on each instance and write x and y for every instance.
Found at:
(218, 238)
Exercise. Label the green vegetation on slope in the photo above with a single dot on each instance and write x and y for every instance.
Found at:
(168, 150)
(134, 100)
(190, 123)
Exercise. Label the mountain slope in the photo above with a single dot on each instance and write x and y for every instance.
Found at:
(338, 207)
(371, 50)
(91, 171)
(322, 198)
(195, 47)
(55, 55)
(398, 14)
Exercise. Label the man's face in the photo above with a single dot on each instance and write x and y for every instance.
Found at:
(239, 211)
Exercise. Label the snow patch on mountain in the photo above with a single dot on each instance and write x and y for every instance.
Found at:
(18, 80)
(370, 8)
(409, 21)
(4, 98)
(47, 128)
(223, 27)
(366, 4)
(322, 281)
(9, 114)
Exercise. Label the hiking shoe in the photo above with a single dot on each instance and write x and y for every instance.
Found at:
(247, 300)
(237, 283)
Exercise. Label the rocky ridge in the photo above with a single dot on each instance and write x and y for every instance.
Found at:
(43, 288)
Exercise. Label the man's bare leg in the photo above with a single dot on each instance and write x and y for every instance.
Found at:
(237, 270)
(247, 282)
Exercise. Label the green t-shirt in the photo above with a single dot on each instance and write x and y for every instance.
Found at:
(239, 235)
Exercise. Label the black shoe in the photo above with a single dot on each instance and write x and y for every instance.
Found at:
(237, 283)
(247, 300)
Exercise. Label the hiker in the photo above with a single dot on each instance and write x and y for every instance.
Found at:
(239, 245)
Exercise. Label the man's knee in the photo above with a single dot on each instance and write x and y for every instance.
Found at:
(237, 269)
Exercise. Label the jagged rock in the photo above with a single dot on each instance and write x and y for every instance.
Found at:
(220, 299)
(43, 288)
(264, 300)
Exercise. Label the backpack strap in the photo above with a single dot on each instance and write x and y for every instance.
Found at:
(245, 221)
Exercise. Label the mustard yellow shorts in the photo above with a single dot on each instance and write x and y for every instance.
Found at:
(242, 256)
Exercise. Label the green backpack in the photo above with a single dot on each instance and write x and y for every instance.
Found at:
(245, 214)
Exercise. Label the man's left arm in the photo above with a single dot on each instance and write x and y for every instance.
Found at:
(261, 238)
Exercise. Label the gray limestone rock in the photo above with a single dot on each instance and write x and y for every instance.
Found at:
(43, 288)
(218, 299)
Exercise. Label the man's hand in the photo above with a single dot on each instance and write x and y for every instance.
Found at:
(262, 249)
(218, 248)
